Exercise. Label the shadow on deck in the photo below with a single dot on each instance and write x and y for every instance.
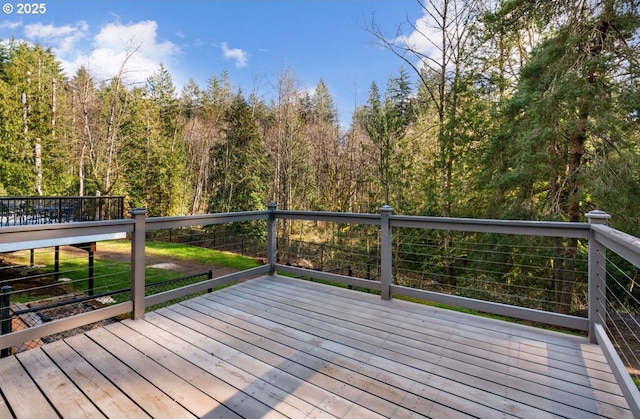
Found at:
(282, 347)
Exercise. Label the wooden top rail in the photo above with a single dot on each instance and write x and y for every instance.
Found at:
(159, 223)
(478, 225)
(23, 237)
(336, 217)
(625, 245)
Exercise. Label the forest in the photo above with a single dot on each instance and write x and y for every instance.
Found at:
(529, 110)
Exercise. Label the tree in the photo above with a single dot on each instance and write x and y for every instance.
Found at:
(386, 122)
(203, 119)
(31, 77)
(287, 146)
(239, 172)
(165, 156)
(438, 51)
(570, 105)
(84, 109)
(329, 159)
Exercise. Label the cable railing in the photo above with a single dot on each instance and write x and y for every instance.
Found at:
(622, 321)
(509, 269)
(578, 276)
(614, 258)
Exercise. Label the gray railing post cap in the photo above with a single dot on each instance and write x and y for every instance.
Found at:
(137, 211)
(386, 208)
(272, 205)
(597, 216)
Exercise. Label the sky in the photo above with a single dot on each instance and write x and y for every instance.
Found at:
(255, 41)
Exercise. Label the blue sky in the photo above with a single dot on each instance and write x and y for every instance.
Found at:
(253, 40)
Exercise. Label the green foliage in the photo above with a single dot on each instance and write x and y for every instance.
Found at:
(527, 110)
(165, 156)
(530, 113)
(386, 123)
(239, 163)
(569, 107)
(30, 80)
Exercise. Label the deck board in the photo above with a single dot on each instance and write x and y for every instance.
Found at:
(21, 393)
(102, 392)
(144, 393)
(276, 347)
(361, 375)
(67, 399)
(417, 360)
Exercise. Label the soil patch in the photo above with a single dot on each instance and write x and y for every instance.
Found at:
(23, 278)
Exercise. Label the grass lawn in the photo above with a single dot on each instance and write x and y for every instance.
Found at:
(111, 275)
(186, 252)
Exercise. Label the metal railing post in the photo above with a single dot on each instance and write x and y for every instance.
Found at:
(386, 258)
(272, 238)
(597, 276)
(210, 277)
(5, 317)
(138, 262)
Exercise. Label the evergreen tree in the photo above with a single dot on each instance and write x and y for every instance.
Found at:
(165, 162)
(386, 122)
(331, 190)
(30, 84)
(239, 172)
(570, 105)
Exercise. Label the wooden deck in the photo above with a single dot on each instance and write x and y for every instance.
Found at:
(276, 347)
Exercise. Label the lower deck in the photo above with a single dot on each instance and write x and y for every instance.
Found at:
(276, 347)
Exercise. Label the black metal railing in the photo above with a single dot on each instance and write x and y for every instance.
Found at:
(25, 210)
(6, 315)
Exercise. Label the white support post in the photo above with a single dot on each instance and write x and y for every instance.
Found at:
(386, 257)
(138, 263)
(597, 276)
(272, 238)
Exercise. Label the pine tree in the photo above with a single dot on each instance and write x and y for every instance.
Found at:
(30, 78)
(165, 155)
(569, 104)
(239, 172)
(386, 122)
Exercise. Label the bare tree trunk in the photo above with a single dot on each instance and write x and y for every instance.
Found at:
(38, 163)
(203, 175)
(53, 107)
(81, 171)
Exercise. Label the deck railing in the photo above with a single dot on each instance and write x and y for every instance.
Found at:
(392, 264)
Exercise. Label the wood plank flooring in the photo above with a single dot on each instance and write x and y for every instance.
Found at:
(276, 347)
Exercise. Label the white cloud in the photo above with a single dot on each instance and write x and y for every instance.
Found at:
(7, 24)
(425, 37)
(103, 53)
(62, 39)
(38, 30)
(135, 43)
(239, 56)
